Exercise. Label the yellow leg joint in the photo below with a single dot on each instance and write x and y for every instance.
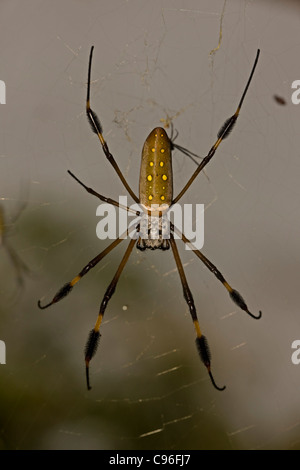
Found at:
(197, 327)
(75, 280)
(228, 287)
(217, 143)
(98, 323)
(101, 138)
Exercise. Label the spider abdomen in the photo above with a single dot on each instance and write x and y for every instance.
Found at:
(156, 181)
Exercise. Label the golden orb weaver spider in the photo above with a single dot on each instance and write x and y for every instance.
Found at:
(158, 171)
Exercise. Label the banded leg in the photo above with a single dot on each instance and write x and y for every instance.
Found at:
(234, 294)
(97, 129)
(108, 200)
(222, 134)
(201, 341)
(66, 289)
(94, 336)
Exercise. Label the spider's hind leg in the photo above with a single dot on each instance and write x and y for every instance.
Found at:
(201, 341)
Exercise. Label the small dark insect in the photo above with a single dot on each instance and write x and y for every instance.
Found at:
(156, 190)
(279, 100)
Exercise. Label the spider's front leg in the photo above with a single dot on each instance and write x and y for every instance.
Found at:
(97, 129)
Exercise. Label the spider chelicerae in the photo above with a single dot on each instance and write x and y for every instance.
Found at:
(155, 200)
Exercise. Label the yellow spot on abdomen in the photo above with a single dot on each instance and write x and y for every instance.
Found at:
(164, 177)
(149, 178)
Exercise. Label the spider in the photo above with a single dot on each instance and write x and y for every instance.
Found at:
(5, 228)
(155, 199)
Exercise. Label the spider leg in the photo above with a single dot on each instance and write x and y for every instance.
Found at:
(91, 264)
(222, 134)
(94, 336)
(201, 341)
(97, 129)
(234, 294)
(19, 265)
(108, 200)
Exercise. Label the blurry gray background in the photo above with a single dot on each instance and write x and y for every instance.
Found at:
(187, 62)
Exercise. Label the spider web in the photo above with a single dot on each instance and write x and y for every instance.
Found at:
(184, 63)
